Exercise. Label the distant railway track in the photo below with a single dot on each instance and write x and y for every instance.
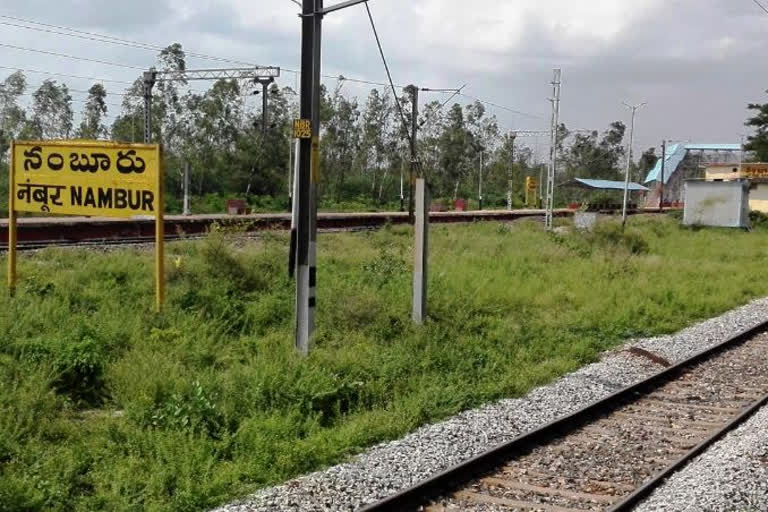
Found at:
(613, 453)
(40, 232)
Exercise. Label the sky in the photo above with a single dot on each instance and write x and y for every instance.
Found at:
(697, 63)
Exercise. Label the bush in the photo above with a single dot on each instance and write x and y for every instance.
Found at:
(612, 234)
(193, 410)
(759, 220)
(80, 365)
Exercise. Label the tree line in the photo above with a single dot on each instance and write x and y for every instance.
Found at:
(364, 148)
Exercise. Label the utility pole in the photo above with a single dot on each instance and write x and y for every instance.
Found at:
(513, 138)
(149, 82)
(556, 84)
(634, 109)
(480, 185)
(312, 14)
(186, 189)
(414, 92)
(303, 326)
(663, 165)
(402, 194)
(265, 83)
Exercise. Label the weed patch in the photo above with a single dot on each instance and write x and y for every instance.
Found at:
(105, 405)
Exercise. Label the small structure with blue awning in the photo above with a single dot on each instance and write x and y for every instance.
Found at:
(604, 185)
(612, 197)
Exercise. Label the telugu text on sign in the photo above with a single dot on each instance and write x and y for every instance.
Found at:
(86, 178)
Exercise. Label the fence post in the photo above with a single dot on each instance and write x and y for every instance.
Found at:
(420, 249)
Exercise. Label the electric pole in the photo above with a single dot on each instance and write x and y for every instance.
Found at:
(312, 14)
(634, 109)
(265, 83)
(513, 138)
(663, 165)
(414, 92)
(480, 184)
(556, 84)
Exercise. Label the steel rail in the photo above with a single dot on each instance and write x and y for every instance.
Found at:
(452, 478)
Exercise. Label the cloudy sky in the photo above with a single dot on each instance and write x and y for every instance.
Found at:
(696, 62)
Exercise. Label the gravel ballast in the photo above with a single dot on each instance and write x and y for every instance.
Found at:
(390, 467)
(731, 476)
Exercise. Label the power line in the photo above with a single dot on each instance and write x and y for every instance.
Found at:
(108, 39)
(105, 38)
(73, 57)
(761, 6)
(389, 75)
(65, 75)
(486, 102)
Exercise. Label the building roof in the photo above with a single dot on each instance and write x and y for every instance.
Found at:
(675, 155)
(604, 185)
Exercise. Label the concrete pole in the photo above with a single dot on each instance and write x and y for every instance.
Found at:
(420, 252)
(634, 109)
(480, 184)
(663, 168)
(186, 188)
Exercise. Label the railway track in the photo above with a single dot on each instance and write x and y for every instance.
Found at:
(611, 454)
(39, 232)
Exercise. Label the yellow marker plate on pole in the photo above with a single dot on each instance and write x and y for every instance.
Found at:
(302, 129)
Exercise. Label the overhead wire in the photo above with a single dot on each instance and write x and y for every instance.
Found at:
(389, 76)
(105, 38)
(65, 75)
(761, 6)
(73, 57)
(502, 107)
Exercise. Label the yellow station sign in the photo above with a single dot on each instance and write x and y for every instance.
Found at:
(91, 178)
(86, 178)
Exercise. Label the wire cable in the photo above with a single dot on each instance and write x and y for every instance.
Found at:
(73, 57)
(65, 75)
(104, 38)
(761, 6)
(508, 109)
(389, 76)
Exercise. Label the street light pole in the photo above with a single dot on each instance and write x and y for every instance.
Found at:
(634, 109)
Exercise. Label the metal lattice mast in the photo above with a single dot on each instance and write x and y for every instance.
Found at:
(634, 109)
(242, 75)
(556, 83)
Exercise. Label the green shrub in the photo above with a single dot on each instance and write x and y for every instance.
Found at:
(193, 410)
(758, 220)
(80, 366)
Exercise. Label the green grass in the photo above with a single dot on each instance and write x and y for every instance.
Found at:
(107, 406)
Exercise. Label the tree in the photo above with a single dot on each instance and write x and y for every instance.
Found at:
(758, 143)
(592, 156)
(376, 118)
(52, 116)
(92, 126)
(12, 117)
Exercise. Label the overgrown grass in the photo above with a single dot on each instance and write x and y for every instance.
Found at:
(107, 406)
